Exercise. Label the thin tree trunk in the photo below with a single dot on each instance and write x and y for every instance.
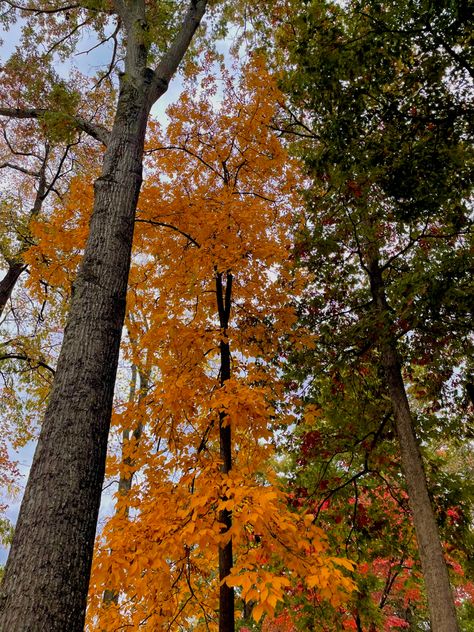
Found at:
(47, 573)
(226, 593)
(435, 572)
(469, 386)
(15, 269)
(125, 481)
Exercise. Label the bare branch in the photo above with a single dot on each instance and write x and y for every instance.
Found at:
(37, 363)
(462, 61)
(254, 194)
(165, 225)
(36, 11)
(59, 171)
(172, 58)
(187, 151)
(113, 59)
(16, 152)
(41, 192)
(28, 172)
(66, 37)
(98, 132)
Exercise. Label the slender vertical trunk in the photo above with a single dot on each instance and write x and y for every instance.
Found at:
(469, 386)
(125, 481)
(438, 589)
(47, 573)
(15, 269)
(226, 593)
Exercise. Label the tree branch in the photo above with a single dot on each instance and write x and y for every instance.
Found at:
(439, 39)
(187, 151)
(38, 11)
(172, 58)
(165, 225)
(28, 172)
(121, 9)
(37, 363)
(96, 131)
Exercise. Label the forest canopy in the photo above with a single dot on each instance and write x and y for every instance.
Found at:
(236, 329)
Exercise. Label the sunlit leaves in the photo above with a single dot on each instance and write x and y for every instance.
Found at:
(219, 198)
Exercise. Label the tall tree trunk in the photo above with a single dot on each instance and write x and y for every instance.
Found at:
(226, 593)
(47, 574)
(438, 589)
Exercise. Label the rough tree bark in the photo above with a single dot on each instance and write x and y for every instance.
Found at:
(47, 573)
(226, 593)
(435, 572)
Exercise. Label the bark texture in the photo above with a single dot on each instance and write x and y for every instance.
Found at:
(47, 573)
(435, 572)
(226, 593)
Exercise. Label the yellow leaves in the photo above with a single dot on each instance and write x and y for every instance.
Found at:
(264, 588)
(216, 199)
(59, 240)
(233, 580)
(311, 414)
(273, 533)
(245, 407)
(341, 561)
(258, 611)
(232, 170)
(320, 579)
(330, 583)
(178, 528)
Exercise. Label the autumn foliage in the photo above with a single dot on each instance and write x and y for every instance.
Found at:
(318, 513)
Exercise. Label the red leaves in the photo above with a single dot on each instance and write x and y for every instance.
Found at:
(354, 188)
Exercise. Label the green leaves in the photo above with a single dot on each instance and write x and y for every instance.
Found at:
(382, 125)
(58, 122)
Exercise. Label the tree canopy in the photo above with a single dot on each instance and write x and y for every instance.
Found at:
(247, 327)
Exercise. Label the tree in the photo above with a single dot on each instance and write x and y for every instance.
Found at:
(38, 158)
(342, 464)
(204, 489)
(386, 145)
(46, 577)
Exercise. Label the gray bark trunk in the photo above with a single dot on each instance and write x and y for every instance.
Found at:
(435, 572)
(47, 574)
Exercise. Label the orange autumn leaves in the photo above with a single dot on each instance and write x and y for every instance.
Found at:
(219, 196)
